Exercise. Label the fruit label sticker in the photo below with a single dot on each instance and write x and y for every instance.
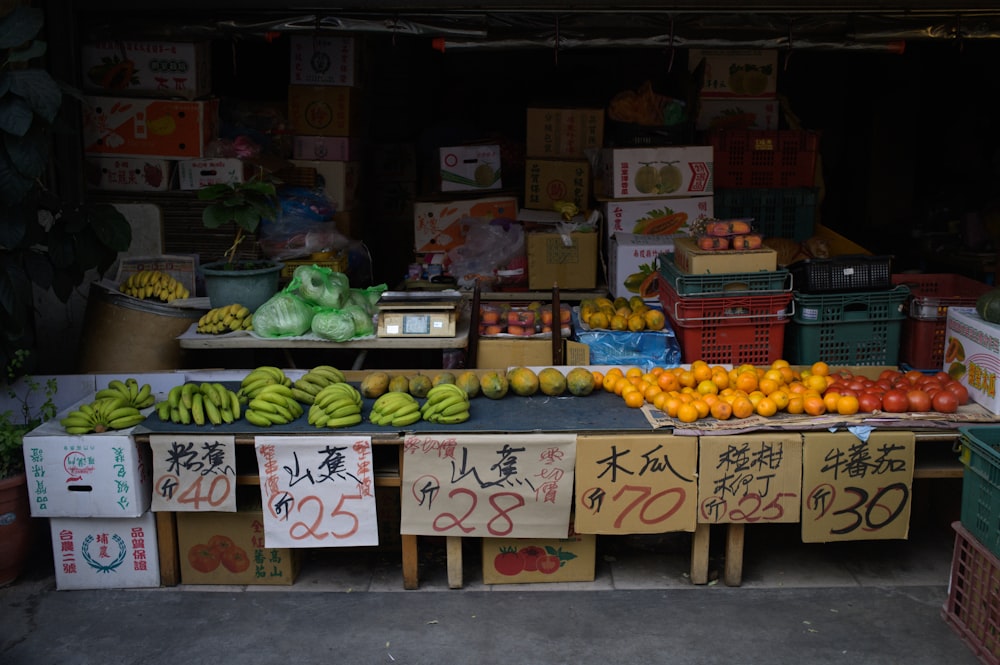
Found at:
(855, 489)
(750, 478)
(317, 491)
(636, 484)
(193, 474)
(501, 486)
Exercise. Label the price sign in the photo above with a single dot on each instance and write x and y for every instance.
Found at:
(501, 486)
(193, 473)
(750, 478)
(636, 484)
(317, 491)
(854, 489)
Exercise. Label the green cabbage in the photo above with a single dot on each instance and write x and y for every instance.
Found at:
(320, 286)
(284, 314)
(334, 325)
(363, 324)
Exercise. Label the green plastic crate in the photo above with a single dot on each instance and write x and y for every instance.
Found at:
(725, 284)
(981, 484)
(847, 328)
(788, 212)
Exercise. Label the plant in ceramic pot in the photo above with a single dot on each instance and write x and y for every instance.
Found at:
(16, 528)
(244, 205)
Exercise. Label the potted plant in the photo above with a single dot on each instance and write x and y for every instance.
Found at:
(243, 204)
(16, 528)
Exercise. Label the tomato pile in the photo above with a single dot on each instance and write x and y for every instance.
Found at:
(896, 391)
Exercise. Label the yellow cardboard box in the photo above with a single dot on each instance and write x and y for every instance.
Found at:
(529, 560)
(569, 261)
(691, 259)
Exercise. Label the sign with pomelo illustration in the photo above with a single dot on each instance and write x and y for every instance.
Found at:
(488, 485)
(193, 474)
(636, 484)
(317, 491)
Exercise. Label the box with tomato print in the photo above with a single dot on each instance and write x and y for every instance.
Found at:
(228, 548)
(527, 560)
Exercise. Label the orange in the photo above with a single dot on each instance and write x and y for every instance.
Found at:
(609, 382)
(787, 374)
(598, 378)
(830, 400)
(668, 381)
(721, 410)
(655, 319)
(847, 405)
(813, 405)
(747, 381)
(702, 371)
(720, 378)
(779, 363)
(796, 387)
(742, 407)
(780, 398)
(817, 382)
(649, 377)
(633, 399)
(636, 322)
(620, 385)
(633, 371)
(766, 407)
(820, 368)
(755, 397)
(656, 371)
(599, 321)
(651, 391)
(702, 407)
(768, 385)
(706, 386)
(687, 379)
(795, 405)
(774, 375)
(618, 322)
(660, 400)
(672, 405)
(687, 413)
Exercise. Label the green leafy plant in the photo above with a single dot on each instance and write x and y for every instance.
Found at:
(243, 204)
(44, 241)
(15, 424)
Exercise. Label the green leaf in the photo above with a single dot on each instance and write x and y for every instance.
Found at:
(111, 227)
(15, 116)
(39, 89)
(215, 216)
(29, 153)
(19, 26)
(14, 186)
(32, 51)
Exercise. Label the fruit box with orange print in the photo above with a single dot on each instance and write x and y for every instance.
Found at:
(438, 224)
(229, 548)
(147, 68)
(632, 264)
(154, 127)
(655, 216)
(531, 560)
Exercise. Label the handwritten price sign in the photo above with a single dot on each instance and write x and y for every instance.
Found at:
(317, 491)
(500, 486)
(636, 484)
(750, 478)
(193, 473)
(854, 489)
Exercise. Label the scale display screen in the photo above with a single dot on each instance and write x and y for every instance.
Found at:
(416, 324)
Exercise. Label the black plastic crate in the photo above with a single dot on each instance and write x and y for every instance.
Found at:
(839, 274)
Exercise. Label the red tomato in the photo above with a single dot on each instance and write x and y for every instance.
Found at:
(857, 385)
(203, 558)
(508, 562)
(942, 377)
(889, 375)
(235, 560)
(530, 556)
(961, 392)
(945, 401)
(895, 401)
(843, 390)
(548, 564)
(883, 385)
(918, 400)
(869, 402)
(913, 375)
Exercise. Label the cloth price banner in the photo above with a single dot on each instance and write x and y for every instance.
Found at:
(317, 491)
(489, 485)
(854, 488)
(636, 484)
(192, 474)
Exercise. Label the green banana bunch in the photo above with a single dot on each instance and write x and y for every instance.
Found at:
(148, 284)
(337, 405)
(308, 386)
(258, 378)
(200, 404)
(101, 415)
(396, 409)
(447, 404)
(228, 318)
(272, 405)
(135, 395)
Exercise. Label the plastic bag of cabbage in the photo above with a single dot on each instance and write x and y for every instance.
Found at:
(320, 286)
(355, 319)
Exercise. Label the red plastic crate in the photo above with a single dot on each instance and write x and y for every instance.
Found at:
(923, 335)
(729, 330)
(755, 158)
(973, 605)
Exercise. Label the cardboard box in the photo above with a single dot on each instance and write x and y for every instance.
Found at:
(631, 257)
(629, 173)
(569, 261)
(555, 133)
(203, 536)
(336, 263)
(105, 553)
(737, 72)
(324, 60)
(148, 127)
(723, 114)
(197, 173)
(327, 148)
(324, 110)
(532, 560)
(656, 215)
(694, 261)
(182, 267)
(146, 68)
(972, 355)
(502, 353)
(339, 180)
(547, 181)
(128, 174)
(438, 224)
(93, 475)
(470, 168)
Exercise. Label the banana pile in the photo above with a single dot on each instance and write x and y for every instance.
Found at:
(337, 405)
(396, 408)
(200, 404)
(148, 284)
(272, 405)
(226, 319)
(259, 378)
(447, 404)
(308, 386)
(134, 395)
(102, 415)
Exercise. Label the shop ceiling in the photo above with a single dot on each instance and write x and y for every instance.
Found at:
(508, 24)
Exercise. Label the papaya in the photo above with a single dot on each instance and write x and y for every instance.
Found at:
(443, 377)
(523, 381)
(375, 384)
(493, 385)
(399, 384)
(551, 382)
(469, 382)
(953, 350)
(420, 385)
(580, 381)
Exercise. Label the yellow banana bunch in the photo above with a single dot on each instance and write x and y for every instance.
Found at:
(228, 318)
(134, 395)
(202, 403)
(149, 284)
(447, 403)
(272, 405)
(308, 386)
(101, 415)
(337, 405)
(397, 409)
(260, 377)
